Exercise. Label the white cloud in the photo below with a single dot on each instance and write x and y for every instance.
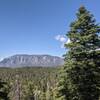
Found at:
(62, 45)
(63, 39)
(57, 37)
(68, 41)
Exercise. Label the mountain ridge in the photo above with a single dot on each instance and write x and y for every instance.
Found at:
(26, 60)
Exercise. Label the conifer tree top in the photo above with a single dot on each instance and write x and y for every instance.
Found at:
(82, 9)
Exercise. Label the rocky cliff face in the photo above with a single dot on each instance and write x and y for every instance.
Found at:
(32, 61)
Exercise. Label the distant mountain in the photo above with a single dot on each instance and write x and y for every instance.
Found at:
(31, 61)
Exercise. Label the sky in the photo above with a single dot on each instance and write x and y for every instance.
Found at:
(38, 26)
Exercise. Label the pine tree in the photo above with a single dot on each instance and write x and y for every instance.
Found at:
(4, 91)
(49, 92)
(29, 92)
(80, 77)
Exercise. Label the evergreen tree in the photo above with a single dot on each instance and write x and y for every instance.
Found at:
(49, 92)
(29, 92)
(80, 77)
(4, 91)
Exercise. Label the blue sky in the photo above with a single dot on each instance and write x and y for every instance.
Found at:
(30, 26)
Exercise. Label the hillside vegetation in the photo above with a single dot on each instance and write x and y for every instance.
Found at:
(26, 82)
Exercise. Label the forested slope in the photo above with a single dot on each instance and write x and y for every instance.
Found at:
(28, 83)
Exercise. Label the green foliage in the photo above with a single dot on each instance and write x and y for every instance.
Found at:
(30, 83)
(80, 77)
(4, 91)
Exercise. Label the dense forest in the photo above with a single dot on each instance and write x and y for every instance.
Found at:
(30, 82)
